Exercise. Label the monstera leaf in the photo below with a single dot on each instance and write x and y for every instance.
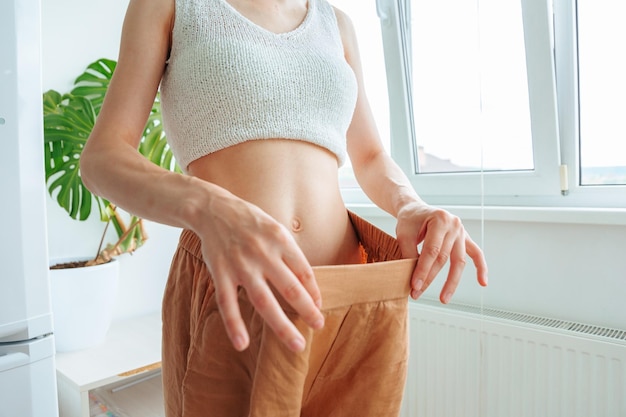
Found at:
(68, 121)
(94, 82)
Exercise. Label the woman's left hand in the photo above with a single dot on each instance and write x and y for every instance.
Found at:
(444, 239)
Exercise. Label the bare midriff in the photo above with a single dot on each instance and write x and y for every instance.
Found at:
(296, 183)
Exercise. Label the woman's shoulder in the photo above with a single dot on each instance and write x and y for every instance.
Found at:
(346, 28)
(158, 12)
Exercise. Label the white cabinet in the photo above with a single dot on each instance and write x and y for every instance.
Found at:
(129, 361)
(27, 379)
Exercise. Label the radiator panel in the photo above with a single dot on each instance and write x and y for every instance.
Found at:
(465, 364)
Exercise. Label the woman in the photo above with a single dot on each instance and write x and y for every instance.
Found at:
(260, 100)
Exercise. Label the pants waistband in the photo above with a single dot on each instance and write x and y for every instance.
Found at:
(385, 277)
(343, 285)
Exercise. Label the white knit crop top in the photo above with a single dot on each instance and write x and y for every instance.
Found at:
(229, 81)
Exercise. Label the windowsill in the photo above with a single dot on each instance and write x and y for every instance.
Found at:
(569, 215)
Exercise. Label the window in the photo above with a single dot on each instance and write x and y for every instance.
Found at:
(470, 90)
(505, 102)
(591, 88)
(602, 91)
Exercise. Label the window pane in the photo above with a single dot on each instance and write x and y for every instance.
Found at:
(470, 89)
(367, 27)
(602, 91)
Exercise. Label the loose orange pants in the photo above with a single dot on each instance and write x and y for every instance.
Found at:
(355, 366)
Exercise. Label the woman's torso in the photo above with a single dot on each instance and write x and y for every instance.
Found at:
(294, 182)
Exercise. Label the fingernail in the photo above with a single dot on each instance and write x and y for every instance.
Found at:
(446, 297)
(418, 285)
(297, 344)
(318, 323)
(239, 343)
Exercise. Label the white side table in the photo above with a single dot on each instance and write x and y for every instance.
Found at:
(131, 352)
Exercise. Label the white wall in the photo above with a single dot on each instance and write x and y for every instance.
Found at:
(74, 34)
(561, 270)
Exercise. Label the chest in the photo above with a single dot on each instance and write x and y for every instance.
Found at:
(273, 16)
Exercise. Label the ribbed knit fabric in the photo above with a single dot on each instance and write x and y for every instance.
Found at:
(229, 80)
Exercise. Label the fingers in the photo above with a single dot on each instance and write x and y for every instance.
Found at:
(247, 248)
(441, 237)
(268, 307)
(294, 291)
(477, 256)
(426, 268)
(228, 305)
(292, 278)
(300, 267)
(445, 240)
(457, 264)
(295, 281)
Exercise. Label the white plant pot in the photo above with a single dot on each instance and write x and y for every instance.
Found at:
(82, 304)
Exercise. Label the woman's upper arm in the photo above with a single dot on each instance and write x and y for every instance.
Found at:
(363, 140)
(144, 48)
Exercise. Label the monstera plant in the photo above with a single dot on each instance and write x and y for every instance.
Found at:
(68, 121)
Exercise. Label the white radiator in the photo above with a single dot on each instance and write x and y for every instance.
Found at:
(491, 363)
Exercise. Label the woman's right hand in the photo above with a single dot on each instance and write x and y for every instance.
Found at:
(244, 246)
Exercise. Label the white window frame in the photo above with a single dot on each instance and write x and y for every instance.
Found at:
(554, 124)
(567, 92)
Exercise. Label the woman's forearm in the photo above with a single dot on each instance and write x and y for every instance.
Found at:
(386, 185)
(142, 188)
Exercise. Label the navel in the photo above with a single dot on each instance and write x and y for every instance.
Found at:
(296, 225)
